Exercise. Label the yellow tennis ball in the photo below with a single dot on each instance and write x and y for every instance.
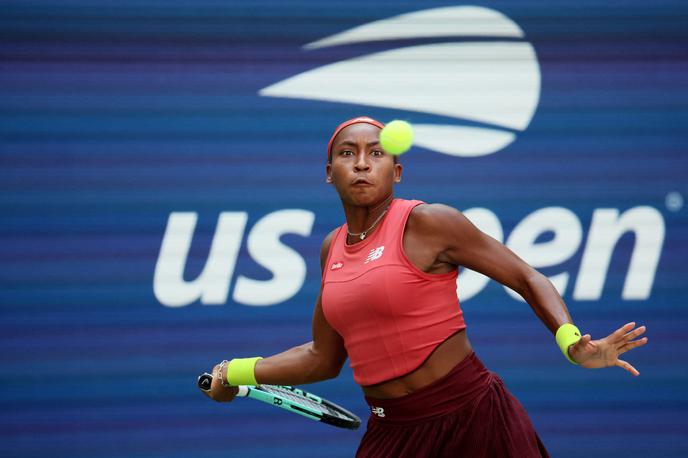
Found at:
(396, 137)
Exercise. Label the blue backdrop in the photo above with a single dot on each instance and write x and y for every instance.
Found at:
(135, 133)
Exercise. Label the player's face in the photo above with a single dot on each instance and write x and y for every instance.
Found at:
(361, 171)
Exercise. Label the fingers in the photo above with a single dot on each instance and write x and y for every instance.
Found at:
(627, 343)
(619, 334)
(624, 365)
(635, 333)
(631, 345)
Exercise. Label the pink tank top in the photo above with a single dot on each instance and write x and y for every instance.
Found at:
(390, 314)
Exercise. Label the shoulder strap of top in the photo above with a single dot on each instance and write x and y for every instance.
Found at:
(402, 209)
(397, 220)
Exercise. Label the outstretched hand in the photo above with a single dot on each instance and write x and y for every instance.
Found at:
(605, 352)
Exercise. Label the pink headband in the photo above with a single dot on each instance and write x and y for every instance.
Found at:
(342, 126)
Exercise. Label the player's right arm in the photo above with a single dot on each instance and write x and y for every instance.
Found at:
(320, 359)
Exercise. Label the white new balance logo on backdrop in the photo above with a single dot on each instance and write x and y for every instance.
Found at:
(375, 253)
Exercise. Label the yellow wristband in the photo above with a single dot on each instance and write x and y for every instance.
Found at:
(241, 371)
(567, 335)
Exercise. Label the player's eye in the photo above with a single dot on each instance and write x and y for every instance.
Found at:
(377, 152)
(346, 152)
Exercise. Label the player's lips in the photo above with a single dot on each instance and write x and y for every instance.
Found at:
(360, 181)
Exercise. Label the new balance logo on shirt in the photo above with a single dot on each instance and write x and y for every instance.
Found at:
(379, 411)
(375, 253)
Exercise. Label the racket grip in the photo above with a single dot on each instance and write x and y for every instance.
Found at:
(205, 380)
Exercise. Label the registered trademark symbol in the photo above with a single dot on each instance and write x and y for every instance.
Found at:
(674, 201)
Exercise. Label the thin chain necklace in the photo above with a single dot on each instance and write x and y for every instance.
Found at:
(362, 235)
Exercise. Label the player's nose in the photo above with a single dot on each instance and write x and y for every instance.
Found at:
(361, 163)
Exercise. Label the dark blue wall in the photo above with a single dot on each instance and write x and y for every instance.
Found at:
(116, 114)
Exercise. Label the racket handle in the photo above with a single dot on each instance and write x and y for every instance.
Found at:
(205, 380)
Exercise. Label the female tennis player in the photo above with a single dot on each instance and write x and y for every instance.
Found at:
(388, 301)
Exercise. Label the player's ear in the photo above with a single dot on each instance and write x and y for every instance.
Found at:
(398, 169)
(328, 173)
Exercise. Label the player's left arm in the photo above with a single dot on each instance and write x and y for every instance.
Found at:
(458, 242)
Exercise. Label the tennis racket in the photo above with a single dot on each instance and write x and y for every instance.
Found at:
(294, 400)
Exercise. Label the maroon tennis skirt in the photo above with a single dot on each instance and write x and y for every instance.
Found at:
(466, 413)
